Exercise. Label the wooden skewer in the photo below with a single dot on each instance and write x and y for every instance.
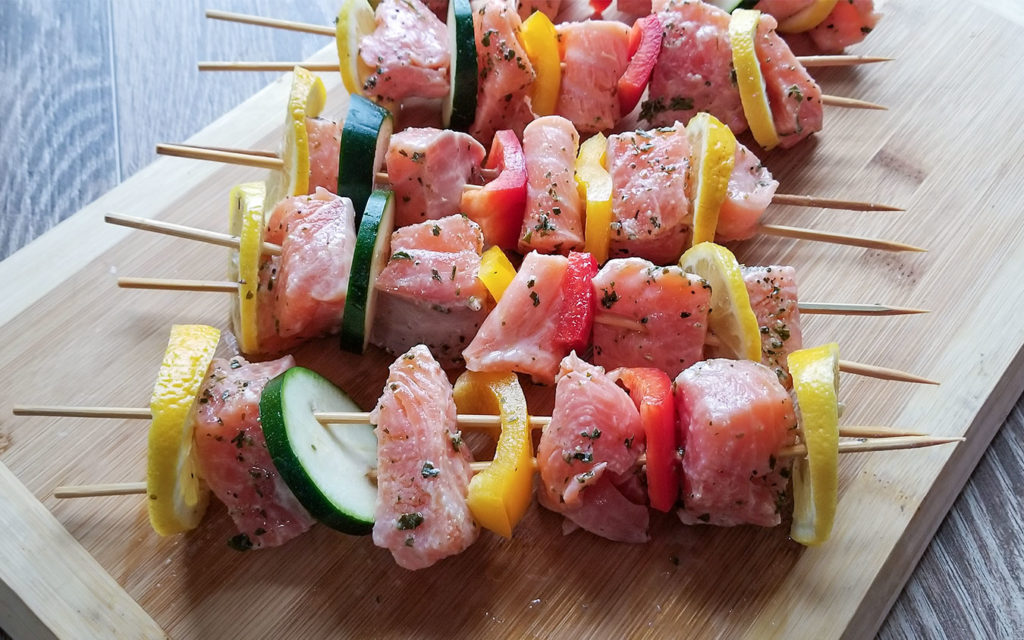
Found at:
(266, 65)
(211, 286)
(304, 27)
(839, 60)
(182, 231)
(851, 103)
(882, 373)
(829, 203)
(250, 152)
(846, 309)
(795, 451)
(99, 490)
(167, 284)
(868, 444)
(465, 420)
(270, 160)
(324, 67)
(811, 308)
(125, 413)
(835, 238)
(228, 157)
(260, 21)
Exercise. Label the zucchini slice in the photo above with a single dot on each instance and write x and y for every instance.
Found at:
(373, 247)
(364, 141)
(246, 222)
(459, 109)
(326, 467)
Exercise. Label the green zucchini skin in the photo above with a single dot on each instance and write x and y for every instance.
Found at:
(373, 246)
(732, 5)
(325, 467)
(364, 141)
(459, 109)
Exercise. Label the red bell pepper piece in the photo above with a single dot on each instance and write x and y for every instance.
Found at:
(499, 206)
(576, 321)
(644, 47)
(651, 390)
(599, 6)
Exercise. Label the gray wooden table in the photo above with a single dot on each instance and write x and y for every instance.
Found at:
(90, 86)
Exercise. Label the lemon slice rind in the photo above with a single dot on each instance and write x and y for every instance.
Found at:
(808, 18)
(177, 496)
(355, 21)
(305, 100)
(714, 154)
(815, 374)
(731, 319)
(749, 80)
(246, 222)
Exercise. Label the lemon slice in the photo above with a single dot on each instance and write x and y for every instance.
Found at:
(816, 477)
(808, 18)
(177, 494)
(594, 184)
(714, 156)
(496, 272)
(246, 222)
(731, 319)
(749, 81)
(305, 100)
(355, 21)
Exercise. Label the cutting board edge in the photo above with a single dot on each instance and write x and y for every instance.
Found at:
(67, 593)
(905, 555)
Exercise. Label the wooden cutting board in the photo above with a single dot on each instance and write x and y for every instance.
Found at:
(949, 150)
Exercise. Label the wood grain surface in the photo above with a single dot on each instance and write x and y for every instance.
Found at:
(102, 82)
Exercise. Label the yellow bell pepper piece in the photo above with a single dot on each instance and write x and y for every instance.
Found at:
(808, 18)
(595, 186)
(749, 81)
(246, 222)
(714, 156)
(496, 272)
(500, 495)
(540, 40)
(815, 374)
(177, 495)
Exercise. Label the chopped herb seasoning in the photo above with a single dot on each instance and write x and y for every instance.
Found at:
(593, 435)
(583, 477)
(456, 440)
(400, 255)
(429, 470)
(608, 298)
(679, 103)
(435, 275)
(408, 521)
(535, 298)
(436, 230)
(241, 542)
